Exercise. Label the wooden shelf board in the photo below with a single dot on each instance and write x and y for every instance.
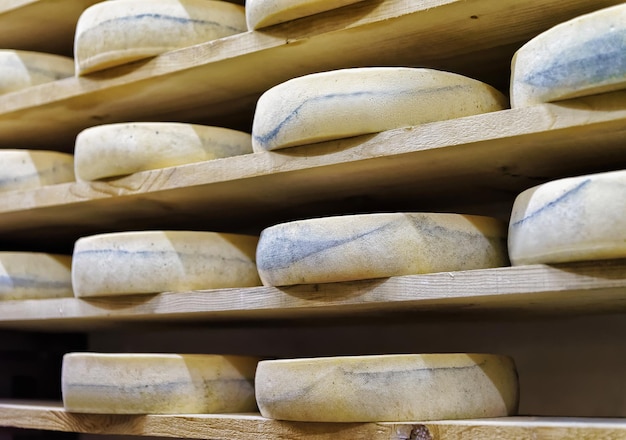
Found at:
(210, 81)
(53, 417)
(592, 287)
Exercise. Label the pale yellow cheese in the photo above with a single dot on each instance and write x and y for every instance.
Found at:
(387, 388)
(574, 219)
(118, 149)
(157, 383)
(158, 261)
(583, 56)
(354, 247)
(30, 169)
(350, 102)
(263, 13)
(34, 275)
(20, 69)
(118, 32)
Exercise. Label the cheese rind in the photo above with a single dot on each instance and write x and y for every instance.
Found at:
(159, 261)
(30, 169)
(583, 56)
(350, 102)
(118, 32)
(34, 275)
(20, 69)
(157, 383)
(263, 13)
(573, 219)
(354, 247)
(387, 388)
(119, 149)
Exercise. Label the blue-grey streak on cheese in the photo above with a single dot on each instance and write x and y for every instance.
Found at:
(134, 383)
(350, 102)
(353, 247)
(30, 169)
(119, 149)
(393, 388)
(582, 56)
(263, 13)
(574, 219)
(20, 69)
(117, 32)
(34, 275)
(158, 261)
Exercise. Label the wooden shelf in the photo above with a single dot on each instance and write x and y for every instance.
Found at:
(252, 426)
(210, 81)
(567, 288)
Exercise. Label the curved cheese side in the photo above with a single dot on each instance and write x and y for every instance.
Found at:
(583, 56)
(118, 32)
(157, 383)
(29, 169)
(350, 102)
(20, 69)
(159, 261)
(119, 149)
(574, 219)
(392, 388)
(263, 13)
(33, 275)
(365, 246)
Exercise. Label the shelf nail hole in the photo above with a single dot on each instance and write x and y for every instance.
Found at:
(474, 17)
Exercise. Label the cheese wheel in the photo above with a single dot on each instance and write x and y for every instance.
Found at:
(28, 169)
(34, 275)
(20, 69)
(118, 149)
(395, 388)
(583, 56)
(157, 383)
(364, 246)
(263, 13)
(158, 261)
(351, 102)
(118, 32)
(574, 219)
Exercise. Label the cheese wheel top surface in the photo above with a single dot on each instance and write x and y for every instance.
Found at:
(583, 56)
(573, 219)
(119, 149)
(20, 69)
(263, 13)
(117, 32)
(350, 102)
(30, 169)
(34, 275)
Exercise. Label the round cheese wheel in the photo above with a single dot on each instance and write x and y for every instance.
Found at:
(117, 32)
(350, 102)
(364, 246)
(118, 149)
(20, 69)
(263, 13)
(159, 261)
(395, 388)
(29, 169)
(574, 219)
(34, 275)
(157, 383)
(583, 56)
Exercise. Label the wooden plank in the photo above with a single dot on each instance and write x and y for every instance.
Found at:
(207, 82)
(572, 288)
(234, 427)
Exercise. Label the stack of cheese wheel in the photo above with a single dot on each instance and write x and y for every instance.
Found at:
(387, 388)
(355, 247)
(30, 169)
(350, 102)
(158, 261)
(574, 219)
(263, 13)
(113, 33)
(113, 150)
(157, 383)
(34, 275)
(583, 56)
(21, 69)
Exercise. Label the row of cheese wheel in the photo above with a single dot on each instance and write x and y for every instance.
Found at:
(407, 387)
(573, 219)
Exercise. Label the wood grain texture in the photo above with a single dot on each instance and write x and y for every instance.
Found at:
(210, 81)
